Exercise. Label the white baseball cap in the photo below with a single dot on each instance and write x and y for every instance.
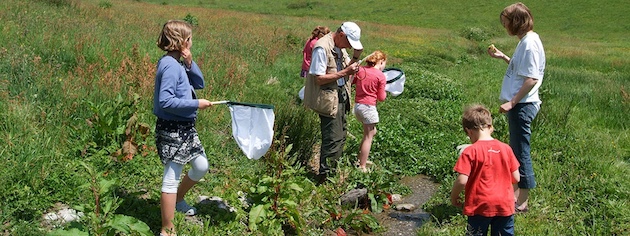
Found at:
(353, 33)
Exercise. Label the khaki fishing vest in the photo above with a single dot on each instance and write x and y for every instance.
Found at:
(324, 99)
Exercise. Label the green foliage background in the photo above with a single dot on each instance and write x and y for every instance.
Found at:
(58, 57)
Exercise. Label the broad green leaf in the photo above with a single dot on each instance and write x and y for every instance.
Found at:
(129, 225)
(256, 215)
(296, 187)
(107, 206)
(348, 219)
(371, 221)
(375, 204)
(289, 203)
(73, 232)
(106, 185)
(261, 189)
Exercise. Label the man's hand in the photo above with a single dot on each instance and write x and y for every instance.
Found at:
(351, 69)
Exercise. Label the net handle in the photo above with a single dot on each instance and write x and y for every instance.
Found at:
(360, 61)
(219, 102)
(257, 105)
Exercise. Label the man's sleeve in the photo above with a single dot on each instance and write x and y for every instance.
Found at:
(318, 62)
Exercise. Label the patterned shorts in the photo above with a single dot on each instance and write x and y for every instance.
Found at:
(177, 141)
(367, 114)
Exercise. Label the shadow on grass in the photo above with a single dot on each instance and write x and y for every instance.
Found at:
(443, 212)
(140, 206)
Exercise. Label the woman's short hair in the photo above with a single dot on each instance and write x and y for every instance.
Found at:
(519, 19)
(174, 34)
(375, 57)
(476, 117)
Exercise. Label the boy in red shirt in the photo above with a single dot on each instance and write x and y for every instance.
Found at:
(487, 171)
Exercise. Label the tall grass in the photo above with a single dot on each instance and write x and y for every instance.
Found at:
(58, 56)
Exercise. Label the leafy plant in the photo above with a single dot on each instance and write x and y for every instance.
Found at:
(275, 195)
(105, 4)
(116, 129)
(379, 183)
(358, 219)
(192, 20)
(361, 221)
(100, 218)
(475, 34)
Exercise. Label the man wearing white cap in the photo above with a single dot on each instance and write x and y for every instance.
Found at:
(326, 91)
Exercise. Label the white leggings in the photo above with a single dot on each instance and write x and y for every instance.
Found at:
(172, 172)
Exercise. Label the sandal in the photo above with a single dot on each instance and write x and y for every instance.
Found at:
(183, 207)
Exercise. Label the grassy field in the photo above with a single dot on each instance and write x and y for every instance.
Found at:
(74, 73)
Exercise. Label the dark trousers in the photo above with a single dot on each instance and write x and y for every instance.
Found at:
(499, 225)
(333, 136)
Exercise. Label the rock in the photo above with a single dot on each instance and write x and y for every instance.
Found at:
(405, 207)
(61, 216)
(219, 202)
(354, 197)
(245, 201)
(396, 197)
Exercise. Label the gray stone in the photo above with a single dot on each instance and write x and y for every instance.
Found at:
(405, 207)
(61, 216)
(396, 197)
(219, 202)
(353, 197)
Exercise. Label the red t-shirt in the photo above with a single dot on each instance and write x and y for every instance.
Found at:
(370, 86)
(308, 52)
(489, 165)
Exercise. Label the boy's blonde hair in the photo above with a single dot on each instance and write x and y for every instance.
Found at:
(175, 33)
(476, 117)
(519, 18)
(375, 57)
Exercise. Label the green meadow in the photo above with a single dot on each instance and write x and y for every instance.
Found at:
(76, 122)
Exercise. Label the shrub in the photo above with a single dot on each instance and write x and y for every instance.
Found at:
(192, 20)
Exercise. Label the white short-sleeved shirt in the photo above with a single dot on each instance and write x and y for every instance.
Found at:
(319, 63)
(528, 61)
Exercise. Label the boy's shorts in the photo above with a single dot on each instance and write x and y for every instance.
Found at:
(366, 114)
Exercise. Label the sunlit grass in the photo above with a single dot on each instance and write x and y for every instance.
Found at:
(56, 55)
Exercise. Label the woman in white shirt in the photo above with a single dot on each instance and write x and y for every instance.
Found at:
(519, 91)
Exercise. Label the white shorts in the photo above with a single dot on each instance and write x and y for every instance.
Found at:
(366, 114)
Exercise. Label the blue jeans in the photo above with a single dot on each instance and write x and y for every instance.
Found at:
(520, 119)
(500, 225)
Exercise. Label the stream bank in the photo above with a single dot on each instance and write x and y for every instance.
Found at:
(405, 223)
